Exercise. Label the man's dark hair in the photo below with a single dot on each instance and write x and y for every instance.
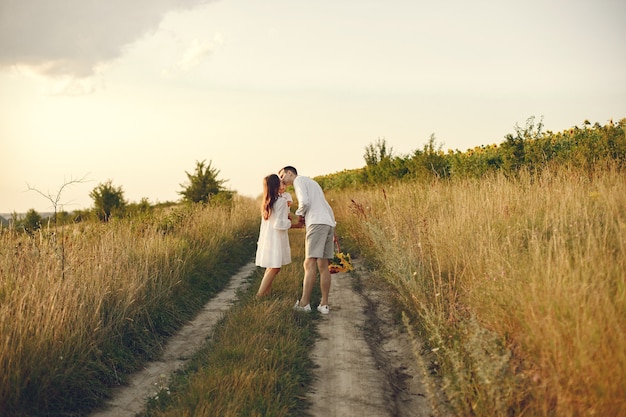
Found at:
(290, 168)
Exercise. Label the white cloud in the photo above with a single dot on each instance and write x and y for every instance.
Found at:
(70, 39)
(196, 53)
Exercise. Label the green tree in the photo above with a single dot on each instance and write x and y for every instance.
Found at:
(376, 153)
(381, 166)
(32, 221)
(430, 161)
(514, 149)
(108, 200)
(203, 184)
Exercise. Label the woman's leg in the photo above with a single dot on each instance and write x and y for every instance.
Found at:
(266, 283)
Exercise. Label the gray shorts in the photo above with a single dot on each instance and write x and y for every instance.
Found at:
(319, 241)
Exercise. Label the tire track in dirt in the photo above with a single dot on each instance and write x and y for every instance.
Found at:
(128, 400)
(366, 366)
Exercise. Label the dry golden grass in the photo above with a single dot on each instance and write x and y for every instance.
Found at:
(67, 334)
(517, 284)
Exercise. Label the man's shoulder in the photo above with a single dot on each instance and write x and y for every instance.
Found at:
(304, 180)
(300, 179)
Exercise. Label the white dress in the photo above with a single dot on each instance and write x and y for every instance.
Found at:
(273, 249)
(287, 197)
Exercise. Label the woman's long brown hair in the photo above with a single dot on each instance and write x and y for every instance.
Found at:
(271, 185)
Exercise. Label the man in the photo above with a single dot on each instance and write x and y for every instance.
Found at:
(317, 216)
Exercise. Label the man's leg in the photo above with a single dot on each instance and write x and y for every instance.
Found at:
(310, 273)
(322, 265)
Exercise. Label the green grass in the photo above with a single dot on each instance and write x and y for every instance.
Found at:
(257, 362)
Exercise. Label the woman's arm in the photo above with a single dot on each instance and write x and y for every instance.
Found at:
(280, 212)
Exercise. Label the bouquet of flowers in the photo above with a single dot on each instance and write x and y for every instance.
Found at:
(341, 262)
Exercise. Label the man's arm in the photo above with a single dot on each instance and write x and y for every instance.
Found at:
(299, 185)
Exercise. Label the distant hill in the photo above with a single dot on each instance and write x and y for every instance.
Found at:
(3, 220)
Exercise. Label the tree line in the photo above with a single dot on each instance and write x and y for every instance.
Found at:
(527, 148)
(203, 187)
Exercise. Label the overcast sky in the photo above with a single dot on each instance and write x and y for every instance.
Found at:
(137, 91)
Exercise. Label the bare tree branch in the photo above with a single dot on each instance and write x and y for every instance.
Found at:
(54, 200)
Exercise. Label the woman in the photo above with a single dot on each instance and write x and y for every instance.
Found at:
(284, 194)
(273, 249)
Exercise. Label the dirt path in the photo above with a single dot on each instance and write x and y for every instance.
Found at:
(131, 399)
(366, 366)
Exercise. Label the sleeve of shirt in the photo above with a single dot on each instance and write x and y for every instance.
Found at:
(302, 195)
(281, 221)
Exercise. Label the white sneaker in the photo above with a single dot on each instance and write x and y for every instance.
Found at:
(323, 309)
(306, 308)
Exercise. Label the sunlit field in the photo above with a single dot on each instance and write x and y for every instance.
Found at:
(82, 306)
(517, 285)
(514, 283)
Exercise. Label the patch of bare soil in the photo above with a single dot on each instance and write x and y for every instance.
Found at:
(128, 400)
(366, 363)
